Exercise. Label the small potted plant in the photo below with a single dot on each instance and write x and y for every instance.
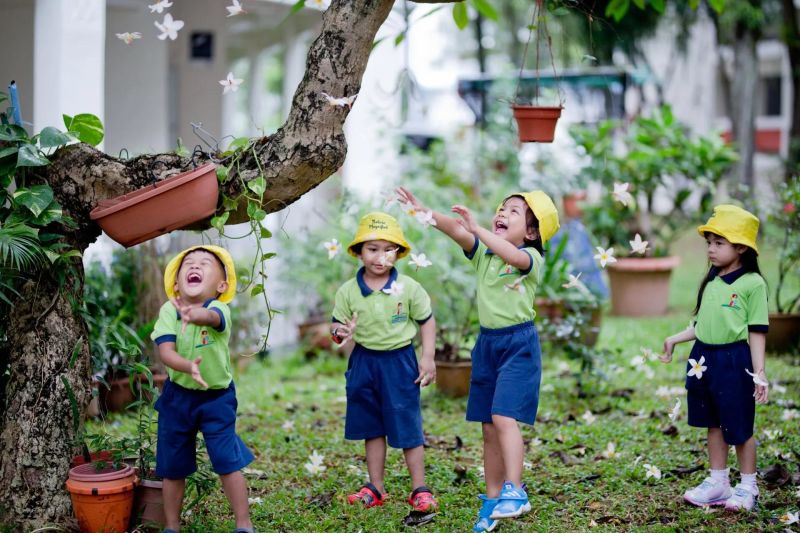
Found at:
(784, 325)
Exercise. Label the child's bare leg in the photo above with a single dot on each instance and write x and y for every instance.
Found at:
(415, 461)
(511, 446)
(235, 488)
(376, 461)
(746, 454)
(172, 490)
(494, 469)
(717, 449)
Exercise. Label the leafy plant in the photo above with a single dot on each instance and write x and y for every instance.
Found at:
(661, 165)
(787, 219)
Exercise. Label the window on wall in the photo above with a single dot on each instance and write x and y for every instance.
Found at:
(770, 96)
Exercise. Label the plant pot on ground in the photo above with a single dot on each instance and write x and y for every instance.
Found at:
(102, 496)
(640, 285)
(453, 371)
(118, 394)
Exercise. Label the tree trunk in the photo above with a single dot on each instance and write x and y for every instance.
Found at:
(37, 435)
(791, 37)
(743, 94)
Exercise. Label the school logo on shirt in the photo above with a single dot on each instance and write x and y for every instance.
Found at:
(205, 339)
(399, 315)
(508, 270)
(732, 303)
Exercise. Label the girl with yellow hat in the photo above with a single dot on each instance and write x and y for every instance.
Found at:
(725, 372)
(506, 359)
(377, 315)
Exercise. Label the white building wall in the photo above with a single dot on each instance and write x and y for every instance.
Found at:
(16, 63)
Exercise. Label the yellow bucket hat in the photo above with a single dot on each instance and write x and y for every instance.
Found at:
(543, 209)
(171, 272)
(734, 223)
(379, 226)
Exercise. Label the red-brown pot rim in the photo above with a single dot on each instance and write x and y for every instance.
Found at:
(645, 264)
(88, 472)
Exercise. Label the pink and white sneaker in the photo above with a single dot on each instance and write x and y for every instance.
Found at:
(744, 498)
(709, 492)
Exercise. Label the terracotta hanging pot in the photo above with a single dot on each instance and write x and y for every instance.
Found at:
(536, 123)
(171, 204)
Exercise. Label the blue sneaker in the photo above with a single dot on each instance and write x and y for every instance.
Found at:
(513, 501)
(485, 521)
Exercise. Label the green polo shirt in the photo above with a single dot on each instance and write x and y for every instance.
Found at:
(732, 306)
(503, 298)
(198, 341)
(385, 321)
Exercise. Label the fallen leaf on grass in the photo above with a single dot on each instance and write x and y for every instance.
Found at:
(443, 443)
(776, 475)
(623, 393)
(321, 500)
(461, 474)
(566, 458)
(668, 429)
(418, 518)
(589, 478)
(686, 470)
(254, 473)
(580, 449)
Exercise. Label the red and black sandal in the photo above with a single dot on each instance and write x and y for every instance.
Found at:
(369, 495)
(422, 500)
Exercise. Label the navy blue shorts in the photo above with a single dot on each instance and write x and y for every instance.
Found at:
(182, 413)
(382, 398)
(506, 373)
(723, 397)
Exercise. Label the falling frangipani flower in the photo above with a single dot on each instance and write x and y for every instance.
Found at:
(230, 84)
(315, 466)
(676, 410)
(790, 414)
(790, 518)
(758, 380)
(574, 282)
(648, 354)
(160, 6)
(129, 36)
(611, 451)
(604, 256)
(288, 425)
(169, 27)
(420, 261)
(588, 417)
(235, 9)
(333, 248)
(638, 246)
(395, 289)
(621, 193)
(637, 361)
(388, 258)
(342, 101)
(697, 367)
(516, 285)
(651, 471)
(425, 218)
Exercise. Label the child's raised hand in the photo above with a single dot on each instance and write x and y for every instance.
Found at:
(427, 372)
(405, 196)
(666, 357)
(195, 372)
(346, 331)
(185, 310)
(467, 220)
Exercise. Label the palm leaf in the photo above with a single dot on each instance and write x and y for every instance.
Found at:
(20, 248)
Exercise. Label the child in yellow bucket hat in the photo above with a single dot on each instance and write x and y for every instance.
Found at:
(725, 372)
(506, 359)
(192, 334)
(376, 314)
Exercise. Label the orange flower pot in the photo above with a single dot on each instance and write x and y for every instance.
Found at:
(640, 285)
(171, 204)
(102, 499)
(536, 123)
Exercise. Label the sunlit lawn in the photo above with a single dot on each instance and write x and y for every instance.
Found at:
(572, 487)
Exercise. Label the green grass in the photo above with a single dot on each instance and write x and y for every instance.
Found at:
(611, 492)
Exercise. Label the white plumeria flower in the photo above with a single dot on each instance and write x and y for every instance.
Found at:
(169, 27)
(621, 193)
(420, 261)
(676, 409)
(395, 289)
(773, 434)
(651, 471)
(342, 101)
(320, 3)
(757, 379)
(235, 9)
(697, 367)
(516, 285)
(160, 6)
(638, 246)
(315, 466)
(258, 500)
(388, 258)
(536, 442)
(588, 417)
(605, 257)
(129, 36)
(790, 518)
(288, 425)
(636, 461)
(637, 361)
(425, 218)
(230, 84)
(563, 367)
(648, 354)
(790, 414)
(610, 451)
(574, 282)
(333, 248)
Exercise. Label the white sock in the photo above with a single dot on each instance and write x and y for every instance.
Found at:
(749, 481)
(720, 475)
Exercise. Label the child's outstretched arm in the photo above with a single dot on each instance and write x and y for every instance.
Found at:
(196, 314)
(427, 367)
(447, 225)
(501, 247)
(757, 342)
(670, 342)
(171, 358)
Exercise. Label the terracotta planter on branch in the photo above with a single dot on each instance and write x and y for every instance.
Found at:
(640, 285)
(536, 123)
(784, 332)
(167, 205)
